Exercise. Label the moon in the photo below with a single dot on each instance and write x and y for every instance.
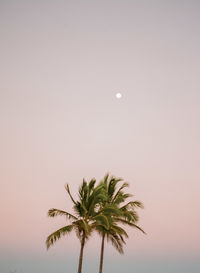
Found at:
(118, 95)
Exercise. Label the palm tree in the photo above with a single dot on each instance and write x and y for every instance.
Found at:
(85, 214)
(121, 213)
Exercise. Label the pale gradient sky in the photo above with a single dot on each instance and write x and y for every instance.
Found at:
(61, 64)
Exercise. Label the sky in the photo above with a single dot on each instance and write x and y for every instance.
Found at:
(61, 64)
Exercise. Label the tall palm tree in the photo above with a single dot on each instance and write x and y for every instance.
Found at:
(85, 214)
(121, 213)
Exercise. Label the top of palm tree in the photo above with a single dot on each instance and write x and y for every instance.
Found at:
(118, 210)
(100, 208)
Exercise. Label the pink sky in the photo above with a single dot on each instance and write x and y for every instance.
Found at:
(61, 65)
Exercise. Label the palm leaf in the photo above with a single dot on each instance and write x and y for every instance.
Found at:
(82, 225)
(110, 210)
(68, 190)
(124, 185)
(133, 204)
(116, 242)
(112, 186)
(91, 185)
(55, 212)
(52, 238)
(102, 220)
(130, 224)
(119, 230)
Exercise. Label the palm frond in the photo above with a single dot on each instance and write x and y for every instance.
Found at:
(102, 220)
(130, 215)
(124, 185)
(83, 191)
(116, 242)
(118, 230)
(105, 180)
(133, 204)
(82, 226)
(124, 221)
(129, 223)
(68, 190)
(137, 227)
(110, 210)
(55, 212)
(112, 186)
(80, 209)
(121, 197)
(52, 238)
(91, 185)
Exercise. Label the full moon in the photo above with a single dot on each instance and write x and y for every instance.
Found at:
(118, 95)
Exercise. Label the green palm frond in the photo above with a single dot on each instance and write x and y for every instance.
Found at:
(122, 238)
(80, 209)
(52, 238)
(123, 221)
(138, 204)
(83, 191)
(116, 242)
(129, 223)
(91, 185)
(137, 227)
(83, 208)
(112, 186)
(55, 212)
(105, 180)
(118, 230)
(124, 185)
(102, 220)
(127, 195)
(133, 204)
(130, 215)
(121, 198)
(110, 209)
(82, 225)
(68, 190)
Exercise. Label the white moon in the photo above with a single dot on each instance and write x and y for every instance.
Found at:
(118, 95)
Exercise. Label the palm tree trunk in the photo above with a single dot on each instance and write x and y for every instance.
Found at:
(102, 252)
(81, 254)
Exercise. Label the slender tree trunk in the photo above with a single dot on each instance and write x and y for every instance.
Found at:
(102, 252)
(81, 254)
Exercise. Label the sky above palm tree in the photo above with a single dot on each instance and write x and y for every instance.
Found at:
(62, 64)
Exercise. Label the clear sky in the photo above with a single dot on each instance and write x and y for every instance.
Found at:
(61, 64)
